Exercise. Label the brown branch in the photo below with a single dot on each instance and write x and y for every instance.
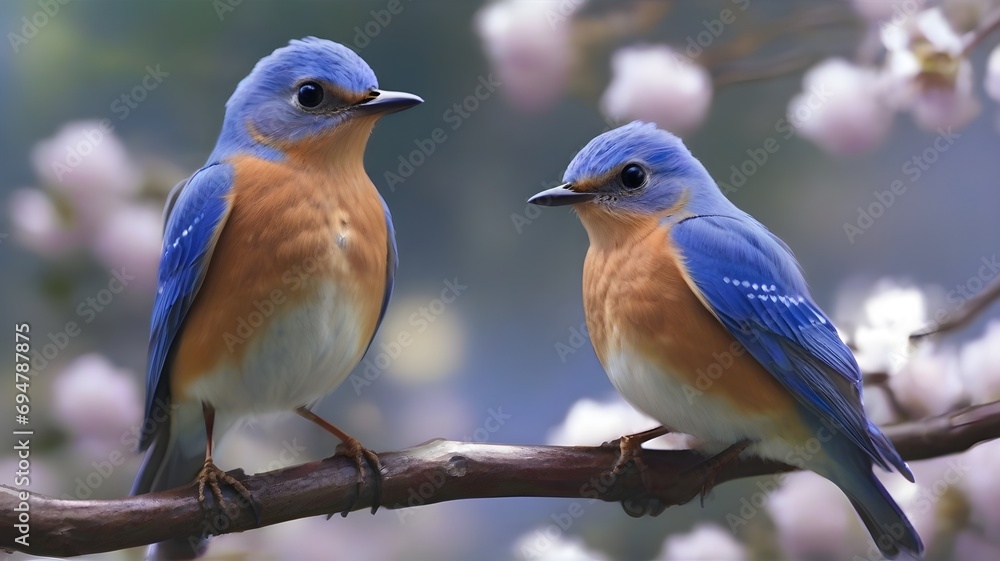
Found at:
(972, 308)
(432, 472)
(974, 38)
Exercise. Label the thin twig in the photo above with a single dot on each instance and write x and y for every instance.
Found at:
(972, 308)
(973, 38)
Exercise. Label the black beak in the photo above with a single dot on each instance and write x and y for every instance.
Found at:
(385, 101)
(560, 196)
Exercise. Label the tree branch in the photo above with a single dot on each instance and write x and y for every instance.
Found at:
(972, 308)
(436, 471)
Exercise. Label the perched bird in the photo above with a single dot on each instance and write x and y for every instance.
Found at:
(277, 266)
(702, 320)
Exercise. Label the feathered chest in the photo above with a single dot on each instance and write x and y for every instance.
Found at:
(299, 248)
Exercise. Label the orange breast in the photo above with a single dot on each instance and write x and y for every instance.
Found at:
(290, 227)
(636, 294)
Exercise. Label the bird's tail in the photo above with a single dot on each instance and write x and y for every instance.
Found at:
(171, 462)
(890, 529)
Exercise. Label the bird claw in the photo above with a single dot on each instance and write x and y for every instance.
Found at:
(352, 448)
(211, 476)
(713, 466)
(630, 450)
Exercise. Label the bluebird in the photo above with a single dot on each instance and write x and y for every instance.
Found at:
(277, 266)
(702, 320)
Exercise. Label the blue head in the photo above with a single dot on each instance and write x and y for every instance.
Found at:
(636, 170)
(302, 91)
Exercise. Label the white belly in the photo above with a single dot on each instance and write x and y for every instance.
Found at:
(301, 355)
(682, 408)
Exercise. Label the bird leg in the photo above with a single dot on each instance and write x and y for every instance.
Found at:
(211, 476)
(713, 466)
(352, 448)
(630, 449)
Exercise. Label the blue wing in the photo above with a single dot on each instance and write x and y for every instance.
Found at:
(392, 262)
(195, 213)
(752, 283)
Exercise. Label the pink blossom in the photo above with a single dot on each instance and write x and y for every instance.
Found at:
(980, 365)
(591, 422)
(705, 542)
(840, 108)
(929, 383)
(38, 224)
(982, 488)
(658, 84)
(992, 79)
(131, 239)
(805, 532)
(927, 72)
(96, 401)
(86, 164)
(528, 44)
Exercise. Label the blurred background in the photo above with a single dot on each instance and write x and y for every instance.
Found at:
(864, 133)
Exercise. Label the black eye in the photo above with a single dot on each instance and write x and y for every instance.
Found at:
(633, 176)
(310, 95)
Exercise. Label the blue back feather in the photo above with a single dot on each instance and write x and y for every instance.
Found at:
(192, 224)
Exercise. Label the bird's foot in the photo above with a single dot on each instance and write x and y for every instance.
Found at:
(630, 449)
(352, 448)
(211, 476)
(713, 466)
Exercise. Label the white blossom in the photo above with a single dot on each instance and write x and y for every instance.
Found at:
(591, 422)
(542, 544)
(38, 225)
(95, 400)
(705, 542)
(840, 108)
(929, 383)
(980, 365)
(131, 239)
(660, 85)
(927, 72)
(890, 314)
(86, 165)
(992, 80)
(981, 485)
(528, 44)
(805, 531)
